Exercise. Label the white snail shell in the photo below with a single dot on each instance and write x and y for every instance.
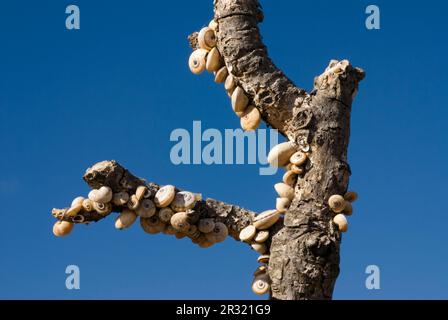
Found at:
(298, 158)
(351, 196)
(87, 205)
(183, 201)
(213, 61)
(180, 222)
(263, 258)
(146, 208)
(229, 84)
(125, 219)
(120, 198)
(341, 222)
(77, 200)
(266, 219)
(140, 192)
(284, 191)
(336, 203)
(250, 119)
(282, 204)
(102, 208)
(133, 202)
(259, 247)
(165, 214)
(240, 100)
(248, 233)
(164, 196)
(290, 178)
(261, 236)
(74, 209)
(197, 61)
(280, 154)
(295, 169)
(62, 228)
(213, 25)
(260, 285)
(206, 225)
(221, 75)
(102, 195)
(206, 38)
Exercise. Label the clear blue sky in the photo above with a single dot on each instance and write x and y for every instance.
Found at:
(117, 88)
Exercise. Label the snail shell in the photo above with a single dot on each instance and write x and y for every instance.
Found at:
(179, 235)
(296, 169)
(165, 214)
(341, 222)
(146, 208)
(74, 209)
(102, 208)
(170, 230)
(164, 196)
(266, 219)
(261, 285)
(336, 203)
(76, 201)
(213, 25)
(78, 219)
(213, 62)
(290, 178)
(103, 194)
(196, 62)
(221, 75)
(260, 270)
(248, 233)
(282, 204)
(240, 100)
(259, 247)
(152, 225)
(206, 38)
(218, 234)
(348, 209)
(229, 84)
(206, 225)
(62, 228)
(263, 258)
(250, 119)
(261, 236)
(120, 198)
(140, 192)
(180, 222)
(280, 154)
(298, 158)
(125, 219)
(87, 205)
(133, 202)
(351, 196)
(284, 191)
(183, 201)
(193, 232)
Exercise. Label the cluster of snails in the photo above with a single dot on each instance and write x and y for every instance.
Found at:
(207, 57)
(342, 207)
(286, 155)
(256, 235)
(170, 211)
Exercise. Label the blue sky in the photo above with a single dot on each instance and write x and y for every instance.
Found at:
(116, 88)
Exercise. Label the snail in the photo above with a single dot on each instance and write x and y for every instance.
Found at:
(260, 270)
(260, 284)
(351, 196)
(125, 219)
(180, 222)
(170, 230)
(298, 158)
(206, 38)
(240, 100)
(284, 191)
(213, 25)
(221, 75)
(336, 203)
(197, 61)
(206, 225)
(102, 208)
(133, 202)
(348, 209)
(213, 61)
(120, 198)
(165, 214)
(266, 219)
(140, 192)
(290, 178)
(146, 209)
(259, 247)
(341, 222)
(102, 195)
(183, 201)
(248, 233)
(193, 232)
(76, 201)
(87, 205)
(229, 84)
(62, 228)
(152, 225)
(74, 209)
(250, 119)
(261, 236)
(164, 196)
(263, 258)
(282, 204)
(296, 169)
(218, 234)
(280, 154)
